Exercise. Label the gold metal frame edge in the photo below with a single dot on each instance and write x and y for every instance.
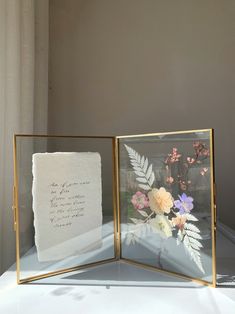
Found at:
(213, 209)
(162, 133)
(66, 270)
(166, 272)
(117, 199)
(16, 209)
(115, 196)
(64, 136)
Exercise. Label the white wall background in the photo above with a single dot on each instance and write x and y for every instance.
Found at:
(134, 66)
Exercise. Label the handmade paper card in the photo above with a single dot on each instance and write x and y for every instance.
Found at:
(67, 204)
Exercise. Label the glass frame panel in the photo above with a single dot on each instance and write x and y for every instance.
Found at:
(137, 202)
(117, 186)
(23, 148)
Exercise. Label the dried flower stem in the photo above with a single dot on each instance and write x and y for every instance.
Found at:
(149, 216)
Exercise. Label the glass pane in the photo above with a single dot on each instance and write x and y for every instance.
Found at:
(66, 213)
(166, 205)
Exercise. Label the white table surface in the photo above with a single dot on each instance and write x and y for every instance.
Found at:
(120, 288)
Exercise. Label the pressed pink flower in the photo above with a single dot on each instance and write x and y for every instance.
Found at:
(183, 185)
(206, 152)
(140, 200)
(179, 221)
(173, 157)
(201, 149)
(190, 160)
(203, 171)
(196, 145)
(169, 180)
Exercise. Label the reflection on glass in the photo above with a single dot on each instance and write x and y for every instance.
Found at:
(165, 196)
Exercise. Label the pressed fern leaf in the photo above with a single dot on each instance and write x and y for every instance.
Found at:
(142, 169)
(191, 242)
(191, 227)
(191, 217)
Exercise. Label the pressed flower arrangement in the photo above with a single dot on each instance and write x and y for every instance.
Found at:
(157, 207)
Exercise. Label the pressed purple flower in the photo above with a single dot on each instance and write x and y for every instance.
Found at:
(184, 204)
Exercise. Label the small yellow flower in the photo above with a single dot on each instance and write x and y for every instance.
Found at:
(160, 201)
(161, 225)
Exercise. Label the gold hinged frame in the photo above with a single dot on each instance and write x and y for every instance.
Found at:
(116, 210)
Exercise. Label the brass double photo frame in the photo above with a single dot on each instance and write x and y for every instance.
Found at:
(159, 208)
